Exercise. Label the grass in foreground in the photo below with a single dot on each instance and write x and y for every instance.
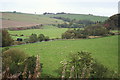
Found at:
(104, 50)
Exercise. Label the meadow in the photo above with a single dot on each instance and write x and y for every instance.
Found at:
(104, 50)
(51, 31)
(81, 17)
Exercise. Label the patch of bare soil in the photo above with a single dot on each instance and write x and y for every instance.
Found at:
(11, 23)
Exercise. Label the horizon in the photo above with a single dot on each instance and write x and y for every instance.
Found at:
(99, 8)
(50, 14)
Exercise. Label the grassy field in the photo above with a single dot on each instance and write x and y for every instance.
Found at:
(17, 19)
(104, 50)
(52, 32)
(81, 17)
(10, 19)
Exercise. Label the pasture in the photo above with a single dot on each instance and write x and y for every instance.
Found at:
(22, 19)
(52, 32)
(104, 50)
(10, 19)
(81, 17)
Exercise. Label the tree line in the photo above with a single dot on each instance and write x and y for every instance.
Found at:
(86, 32)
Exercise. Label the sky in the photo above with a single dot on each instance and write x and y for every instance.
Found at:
(95, 7)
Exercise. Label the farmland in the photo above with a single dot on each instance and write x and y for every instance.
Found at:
(22, 20)
(52, 32)
(104, 50)
(54, 40)
(10, 19)
(81, 17)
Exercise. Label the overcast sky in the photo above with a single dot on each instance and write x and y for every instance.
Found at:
(96, 7)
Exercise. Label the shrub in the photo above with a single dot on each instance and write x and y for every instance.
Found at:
(33, 38)
(21, 35)
(31, 63)
(46, 38)
(41, 37)
(6, 39)
(95, 31)
(13, 58)
(73, 34)
(82, 65)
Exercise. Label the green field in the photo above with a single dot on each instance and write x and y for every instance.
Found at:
(52, 32)
(104, 50)
(81, 17)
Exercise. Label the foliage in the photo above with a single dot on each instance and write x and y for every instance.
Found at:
(82, 65)
(31, 63)
(41, 37)
(46, 38)
(6, 39)
(33, 38)
(76, 24)
(69, 34)
(112, 22)
(95, 31)
(17, 62)
(73, 34)
(14, 59)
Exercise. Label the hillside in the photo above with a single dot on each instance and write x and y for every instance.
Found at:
(104, 50)
(81, 17)
(10, 19)
(113, 22)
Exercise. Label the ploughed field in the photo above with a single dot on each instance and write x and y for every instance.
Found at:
(104, 50)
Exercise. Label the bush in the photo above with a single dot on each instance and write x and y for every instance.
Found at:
(46, 38)
(6, 39)
(33, 38)
(82, 65)
(73, 34)
(41, 37)
(95, 31)
(21, 35)
(31, 64)
(13, 58)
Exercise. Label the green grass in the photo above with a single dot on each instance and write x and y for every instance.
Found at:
(104, 50)
(81, 17)
(52, 32)
(115, 31)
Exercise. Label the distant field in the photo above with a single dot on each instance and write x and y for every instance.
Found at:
(52, 32)
(27, 20)
(21, 20)
(81, 17)
(104, 50)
